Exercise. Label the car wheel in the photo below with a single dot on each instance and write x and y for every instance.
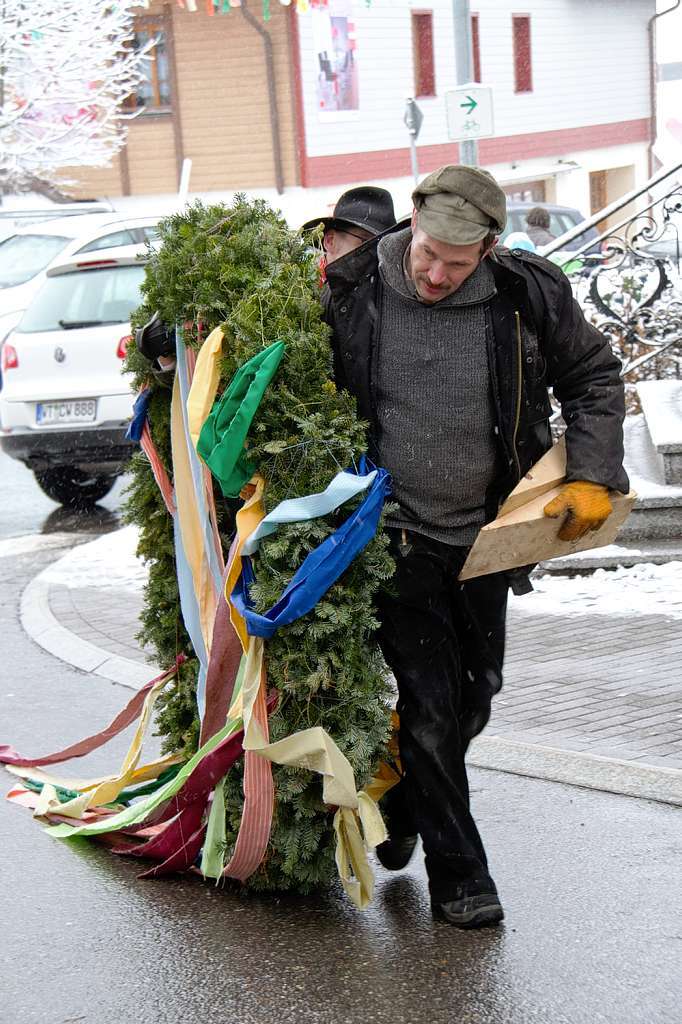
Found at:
(73, 487)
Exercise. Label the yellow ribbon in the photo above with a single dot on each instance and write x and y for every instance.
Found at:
(204, 385)
(385, 778)
(247, 519)
(352, 844)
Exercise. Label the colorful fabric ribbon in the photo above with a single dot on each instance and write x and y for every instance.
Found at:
(222, 437)
(198, 556)
(174, 795)
(344, 486)
(204, 387)
(138, 430)
(94, 792)
(140, 409)
(248, 517)
(158, 469)
(171, 815)
(8, 755)
(358, 822)
(201, 481)
(320, 569)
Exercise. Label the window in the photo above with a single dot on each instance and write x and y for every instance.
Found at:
(422, 49)
(150, 234)
(154, 93)
(94, 297)
(525, 192)
(22, 257)
(475, 50)
(523, 77)
(107, 241)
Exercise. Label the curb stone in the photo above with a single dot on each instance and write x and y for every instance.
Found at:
(577, 768)
(41, 625)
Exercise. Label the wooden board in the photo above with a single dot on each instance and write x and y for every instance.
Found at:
(523, 535)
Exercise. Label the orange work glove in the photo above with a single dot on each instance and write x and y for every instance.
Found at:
(585, 507)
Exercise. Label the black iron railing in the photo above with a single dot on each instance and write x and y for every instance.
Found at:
(628, 280)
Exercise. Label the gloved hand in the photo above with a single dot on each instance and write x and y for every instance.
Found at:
(585, 506)
(155, 339)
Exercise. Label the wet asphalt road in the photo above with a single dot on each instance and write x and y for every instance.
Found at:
(24, 509)
(590, 883)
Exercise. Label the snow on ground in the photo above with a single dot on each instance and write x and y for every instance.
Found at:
(642, 590)
(108, 562)
(645, 589)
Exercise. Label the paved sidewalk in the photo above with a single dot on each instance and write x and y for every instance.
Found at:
(577, 679)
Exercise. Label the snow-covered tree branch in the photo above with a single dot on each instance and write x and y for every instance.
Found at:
(66, 70)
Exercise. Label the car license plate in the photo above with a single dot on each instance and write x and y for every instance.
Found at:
(77, 410)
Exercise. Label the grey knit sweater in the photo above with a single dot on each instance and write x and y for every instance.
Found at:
(434, 400)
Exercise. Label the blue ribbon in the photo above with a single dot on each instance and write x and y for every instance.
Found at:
(321, 568)
(140, 408)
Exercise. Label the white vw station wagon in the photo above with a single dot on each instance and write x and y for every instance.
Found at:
(65, 403)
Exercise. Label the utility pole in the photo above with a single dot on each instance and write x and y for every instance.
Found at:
(461, 16)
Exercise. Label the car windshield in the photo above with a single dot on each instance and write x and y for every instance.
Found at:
(84, 298)
(24, 256)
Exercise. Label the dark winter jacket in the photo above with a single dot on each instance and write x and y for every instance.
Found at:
(537, 337)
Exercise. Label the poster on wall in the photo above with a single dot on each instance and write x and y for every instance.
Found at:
(336, 65)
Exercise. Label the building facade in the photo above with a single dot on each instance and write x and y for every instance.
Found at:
(208, 98)
(317, 99)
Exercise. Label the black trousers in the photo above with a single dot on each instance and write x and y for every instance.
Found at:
(444, 642)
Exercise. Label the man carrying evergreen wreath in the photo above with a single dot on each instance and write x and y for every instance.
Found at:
(449, 345)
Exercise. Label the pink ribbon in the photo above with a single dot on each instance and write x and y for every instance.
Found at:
(8, 755)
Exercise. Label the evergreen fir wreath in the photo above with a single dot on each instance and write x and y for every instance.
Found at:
(241, 268)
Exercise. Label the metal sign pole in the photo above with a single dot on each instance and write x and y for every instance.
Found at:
(413, 121)
(413, 155)
(468, 151)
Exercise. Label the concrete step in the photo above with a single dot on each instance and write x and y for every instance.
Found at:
(657, 515)
(627, 553)
(661, 402)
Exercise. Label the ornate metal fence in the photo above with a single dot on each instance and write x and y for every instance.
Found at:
(628, 281)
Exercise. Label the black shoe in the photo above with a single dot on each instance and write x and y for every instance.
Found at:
(395, 854)
(471, 907)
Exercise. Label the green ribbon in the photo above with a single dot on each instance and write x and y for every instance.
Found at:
(126, 795)
(222, 437)
(215, 841)
(63, 795)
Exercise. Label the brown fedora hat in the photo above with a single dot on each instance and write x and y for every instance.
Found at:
(366, 207)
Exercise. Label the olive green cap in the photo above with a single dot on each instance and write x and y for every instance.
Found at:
(460, 205)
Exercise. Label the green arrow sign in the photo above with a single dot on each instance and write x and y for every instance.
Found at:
(470, 104)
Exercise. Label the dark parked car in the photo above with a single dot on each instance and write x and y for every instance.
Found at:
(669, 248)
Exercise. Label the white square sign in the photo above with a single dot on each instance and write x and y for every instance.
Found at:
(469, 110)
